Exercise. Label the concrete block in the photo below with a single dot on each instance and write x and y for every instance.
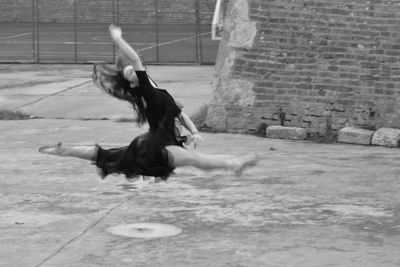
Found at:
(282, 132)
(388, 137)
(353, 135)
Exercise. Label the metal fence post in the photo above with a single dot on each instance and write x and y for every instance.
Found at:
(199, 52)
(33, 32)
(113, 21)
(156, 20)
(117, 11)
(75, 33)
(37, 32)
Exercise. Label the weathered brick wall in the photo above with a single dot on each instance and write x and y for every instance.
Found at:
(321, 63)
(101, 11)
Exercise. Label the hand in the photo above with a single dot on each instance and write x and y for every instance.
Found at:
(115, 32)
(197, 139)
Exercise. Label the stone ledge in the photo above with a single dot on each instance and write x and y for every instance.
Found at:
(354, 135)
(388, 137)
(282, 132)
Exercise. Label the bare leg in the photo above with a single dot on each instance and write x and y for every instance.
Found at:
(183, 157)
(82, 152)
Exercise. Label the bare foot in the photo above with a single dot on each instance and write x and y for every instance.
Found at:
(53, 150)
(240, 164)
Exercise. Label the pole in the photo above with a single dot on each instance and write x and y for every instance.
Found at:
(37, 32)
(75, 33)
(33, 32)
(157, 41)
(117, 8)
(199, 52)
(113, 21)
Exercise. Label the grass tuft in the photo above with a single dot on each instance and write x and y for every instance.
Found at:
(13, 115)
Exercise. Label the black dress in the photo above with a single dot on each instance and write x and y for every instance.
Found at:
(111, 81)
(146, 154)
(157, 101)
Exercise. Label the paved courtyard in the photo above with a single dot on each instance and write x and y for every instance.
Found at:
(305, 204)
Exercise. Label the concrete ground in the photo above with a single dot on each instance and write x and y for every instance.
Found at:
(305, 204)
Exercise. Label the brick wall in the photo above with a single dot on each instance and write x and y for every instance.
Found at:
(321, 63)
(100, 11)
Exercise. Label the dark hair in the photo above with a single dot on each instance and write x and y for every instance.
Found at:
(111, 80)
(121, 62)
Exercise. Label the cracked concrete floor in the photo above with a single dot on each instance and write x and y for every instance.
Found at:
(305, 204)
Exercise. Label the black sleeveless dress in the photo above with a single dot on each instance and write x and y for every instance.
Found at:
(146, 154)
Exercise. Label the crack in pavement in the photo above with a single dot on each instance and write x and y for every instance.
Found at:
(50, 95)
(84, 232)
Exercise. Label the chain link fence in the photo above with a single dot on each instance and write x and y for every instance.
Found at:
(76, 31)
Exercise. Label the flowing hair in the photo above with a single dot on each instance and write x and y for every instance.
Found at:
(122, 61)
(111, 81)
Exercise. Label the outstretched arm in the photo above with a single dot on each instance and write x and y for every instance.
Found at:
(116, 35)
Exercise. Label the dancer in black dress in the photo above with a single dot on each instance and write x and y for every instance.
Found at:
(130, 81)
(149, 154)
(156, 153)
